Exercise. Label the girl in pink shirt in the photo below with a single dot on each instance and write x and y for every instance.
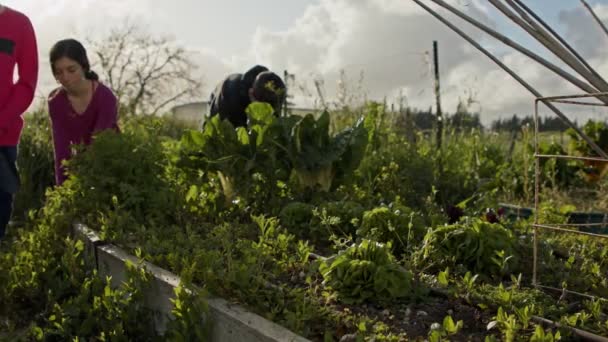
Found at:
(81, 107)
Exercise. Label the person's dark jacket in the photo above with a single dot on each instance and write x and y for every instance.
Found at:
(231, 97)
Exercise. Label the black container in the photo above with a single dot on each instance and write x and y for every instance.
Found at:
(513, 212)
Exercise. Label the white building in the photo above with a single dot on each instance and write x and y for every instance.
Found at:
(193, 113)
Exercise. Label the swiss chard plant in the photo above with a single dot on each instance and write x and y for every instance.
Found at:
(317, 157)
(220, 149)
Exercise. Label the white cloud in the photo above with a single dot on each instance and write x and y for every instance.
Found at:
(584, 32)
(387, 38)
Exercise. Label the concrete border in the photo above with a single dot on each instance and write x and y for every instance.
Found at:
(229, 322)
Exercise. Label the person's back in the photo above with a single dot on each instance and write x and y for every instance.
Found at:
(232, 96)
(230, 99)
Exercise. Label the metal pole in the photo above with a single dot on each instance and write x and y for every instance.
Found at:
(536, 195)
(559, 38)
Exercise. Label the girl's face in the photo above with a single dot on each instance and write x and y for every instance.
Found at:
(68, 72)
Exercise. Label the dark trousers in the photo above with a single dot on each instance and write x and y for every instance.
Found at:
(6, 199)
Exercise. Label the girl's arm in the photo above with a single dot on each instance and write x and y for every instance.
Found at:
(61, 145)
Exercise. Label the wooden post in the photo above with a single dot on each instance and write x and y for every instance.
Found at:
(438, 95)
(285, 77)
(288, 79)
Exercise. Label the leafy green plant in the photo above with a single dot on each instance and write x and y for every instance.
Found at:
(447, 329)
(36, 164)
(317, 157)
(472, 243)
(296, 217)
(556, 172)
(189, 311)
(400, 225)
(366, 271)
(541, 335)
(221, 149)
(102, 311)
(349, 213)
(320, 223)
(597, 131)
(395, 171)
(507, 323)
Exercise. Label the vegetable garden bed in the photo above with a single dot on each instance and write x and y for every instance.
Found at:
(417, 250)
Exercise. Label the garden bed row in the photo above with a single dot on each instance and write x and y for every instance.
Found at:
(229, 322)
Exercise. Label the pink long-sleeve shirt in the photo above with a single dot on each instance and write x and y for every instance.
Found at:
(72, 128)
(17, 48)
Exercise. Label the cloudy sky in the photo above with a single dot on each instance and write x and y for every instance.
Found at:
(382, 45)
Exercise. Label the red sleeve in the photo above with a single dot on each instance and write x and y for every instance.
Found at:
(22, 93)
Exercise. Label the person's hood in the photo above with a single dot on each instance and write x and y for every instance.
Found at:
(251, 74)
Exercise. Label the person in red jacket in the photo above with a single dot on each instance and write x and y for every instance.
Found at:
(17, 49)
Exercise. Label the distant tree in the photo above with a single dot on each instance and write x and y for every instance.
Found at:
(545, 124)
(423, 120)
(462, 119)
(147, 73)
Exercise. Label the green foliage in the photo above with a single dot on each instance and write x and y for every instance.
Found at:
(395, 170)
(318, 224)
(596, 130)
(541, 335)
(507, 323)
(215, 195)
(221, 149)
(49, 290)
(297, 217)
(317, 157)
(367, 271)
(448, 328)
(399, 225)
(557, 172)
(189, 309)
(467, 164)
(133, 183)
(100, 311)
(348, 213)
(36, 165)
(584, 266)
(479, 246)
